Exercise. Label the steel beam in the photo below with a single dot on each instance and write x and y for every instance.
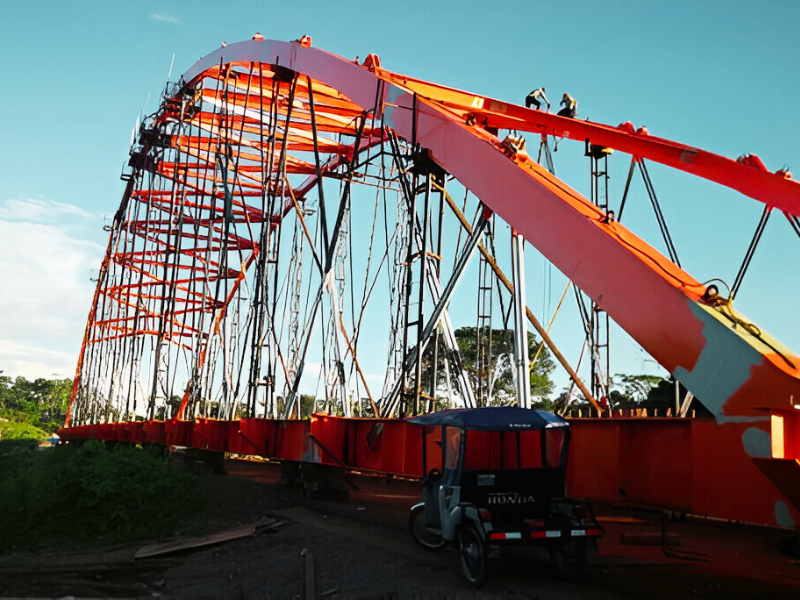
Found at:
(520, 326)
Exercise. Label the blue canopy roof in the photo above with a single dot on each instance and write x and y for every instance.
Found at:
(492, 418)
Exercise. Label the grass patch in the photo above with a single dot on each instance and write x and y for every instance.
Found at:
(12, 430)
(76, 494)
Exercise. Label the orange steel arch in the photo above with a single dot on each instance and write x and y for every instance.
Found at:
(714, 351)
(662, 307)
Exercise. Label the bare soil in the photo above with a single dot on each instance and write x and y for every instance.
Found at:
(361, 548)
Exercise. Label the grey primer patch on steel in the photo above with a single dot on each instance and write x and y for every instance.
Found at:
(723, 366)
(757, 443)
(783, 516)
(393, 93)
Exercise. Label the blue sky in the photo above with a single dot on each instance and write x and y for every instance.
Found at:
(721, 75)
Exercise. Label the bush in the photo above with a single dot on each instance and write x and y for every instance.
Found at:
(15, 430)
(81, 493)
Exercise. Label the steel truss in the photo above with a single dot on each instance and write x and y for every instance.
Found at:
(241, 274)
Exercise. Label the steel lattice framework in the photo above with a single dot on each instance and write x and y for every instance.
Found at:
(231, 254)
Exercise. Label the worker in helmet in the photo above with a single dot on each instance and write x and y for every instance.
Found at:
(570, 107)
(534, 98)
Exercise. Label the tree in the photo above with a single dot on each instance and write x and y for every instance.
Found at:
(634, 389)
(42, 402)
(503, 368)
(652, 392)
(307, 403)
(170, 410)
(8, 396)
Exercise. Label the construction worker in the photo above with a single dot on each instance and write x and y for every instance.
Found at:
(534, 97)
(570, 107)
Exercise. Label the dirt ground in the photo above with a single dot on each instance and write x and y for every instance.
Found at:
(360, 548)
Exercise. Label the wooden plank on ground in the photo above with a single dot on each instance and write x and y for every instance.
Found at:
(178, 545)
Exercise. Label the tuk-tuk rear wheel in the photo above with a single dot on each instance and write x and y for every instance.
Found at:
(472, 550)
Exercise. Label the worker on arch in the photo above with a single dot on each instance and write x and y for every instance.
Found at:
(536, 97)
(570, 106)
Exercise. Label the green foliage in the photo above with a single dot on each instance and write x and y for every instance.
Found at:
(641, 391)
(42, 403)
(662, 396)
(645, 391)
(502, 375)
(306, 405)
(169, 411)
(631, 391)
(80, 493)
(635, 389)
(504, 391)
(13, 430)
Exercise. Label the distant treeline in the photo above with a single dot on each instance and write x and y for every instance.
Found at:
(32, 408)
(38, 408)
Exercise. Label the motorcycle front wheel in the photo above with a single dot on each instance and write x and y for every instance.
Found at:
(421, 534)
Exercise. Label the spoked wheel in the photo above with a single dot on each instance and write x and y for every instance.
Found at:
(472, 549)
(421, 534)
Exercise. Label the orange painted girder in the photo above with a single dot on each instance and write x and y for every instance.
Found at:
(657, 303)
(777, 189)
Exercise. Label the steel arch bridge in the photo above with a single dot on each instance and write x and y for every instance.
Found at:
(239, 255)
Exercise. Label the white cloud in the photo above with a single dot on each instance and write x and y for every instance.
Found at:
(165, 18)
(32, 362)
(45, 292)
(39, 211)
